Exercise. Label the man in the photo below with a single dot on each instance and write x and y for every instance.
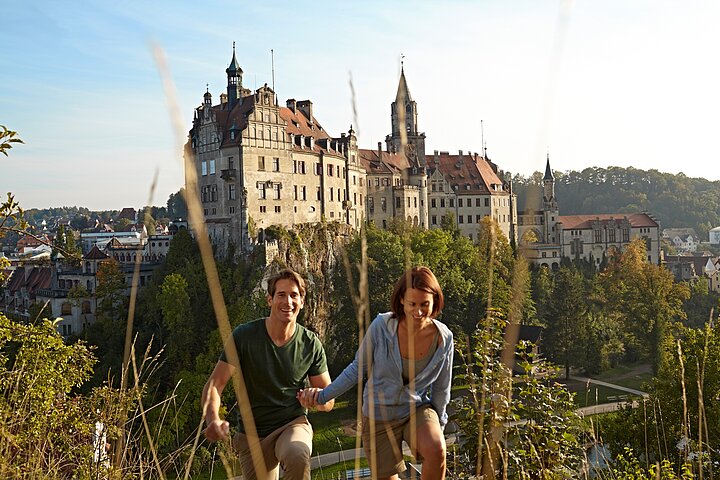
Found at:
(276, 356)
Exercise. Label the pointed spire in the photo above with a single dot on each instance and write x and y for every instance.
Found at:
(548, 171)
(403, 93)
(234, 65)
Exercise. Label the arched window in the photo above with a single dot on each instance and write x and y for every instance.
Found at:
(66, 309)
(86, 306)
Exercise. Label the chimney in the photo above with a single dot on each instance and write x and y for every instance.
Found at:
(305, 106)
(379, 149)
(460, 152)
(291, 104)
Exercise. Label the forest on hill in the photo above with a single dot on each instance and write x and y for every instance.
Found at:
(675, 200)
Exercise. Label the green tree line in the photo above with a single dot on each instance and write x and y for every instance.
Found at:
(676, 200)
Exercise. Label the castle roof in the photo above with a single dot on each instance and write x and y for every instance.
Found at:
(29, 278)
(471, 173)
(586, 221)
(95, 254)
(380, 162)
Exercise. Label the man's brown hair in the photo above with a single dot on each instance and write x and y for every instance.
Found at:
(286, 274)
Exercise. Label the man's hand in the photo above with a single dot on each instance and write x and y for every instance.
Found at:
(308, 397)
(217, 430)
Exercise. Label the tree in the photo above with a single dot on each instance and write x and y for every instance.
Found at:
(645, 297)
(680, 419)
(7, 139)
(566, 335)
(176, 207)
(175, 305)
(526, 432)
(65, 244)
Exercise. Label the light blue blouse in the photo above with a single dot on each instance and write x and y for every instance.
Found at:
(390, 398)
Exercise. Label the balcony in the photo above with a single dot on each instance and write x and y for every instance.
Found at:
(228, 174)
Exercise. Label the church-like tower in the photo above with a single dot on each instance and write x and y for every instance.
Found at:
(551, 211)
(404, 119)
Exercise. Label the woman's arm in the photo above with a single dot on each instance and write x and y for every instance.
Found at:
(440, 396)
(353, 373)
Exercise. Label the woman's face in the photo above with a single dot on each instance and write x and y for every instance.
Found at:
(417, 304)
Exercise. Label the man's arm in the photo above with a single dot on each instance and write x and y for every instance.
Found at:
(217, 428)
(319, 382)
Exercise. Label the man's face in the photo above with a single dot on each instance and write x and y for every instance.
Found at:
(287, 302)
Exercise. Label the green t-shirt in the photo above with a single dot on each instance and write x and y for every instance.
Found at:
(273, 374)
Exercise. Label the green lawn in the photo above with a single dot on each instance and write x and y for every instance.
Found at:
(327, 426)
(630, 376)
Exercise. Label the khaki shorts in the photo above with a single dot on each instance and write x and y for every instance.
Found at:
(292, 440)
(389, 437)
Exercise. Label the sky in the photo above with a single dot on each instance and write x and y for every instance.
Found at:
(589, 83)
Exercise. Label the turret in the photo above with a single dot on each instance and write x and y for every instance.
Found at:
(234, 86)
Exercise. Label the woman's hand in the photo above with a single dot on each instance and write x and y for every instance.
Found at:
(308, 397)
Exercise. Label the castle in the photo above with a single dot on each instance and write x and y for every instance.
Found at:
(260, 164)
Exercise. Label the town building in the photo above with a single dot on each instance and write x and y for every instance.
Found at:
(546, 237)
(683, 239)
(714, 236)
(260, 164)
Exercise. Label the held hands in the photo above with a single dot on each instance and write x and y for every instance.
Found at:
(308, 397)
(217, 430)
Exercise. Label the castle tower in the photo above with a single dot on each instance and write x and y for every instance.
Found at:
(551, 210)
(404, 119)
(234, 85)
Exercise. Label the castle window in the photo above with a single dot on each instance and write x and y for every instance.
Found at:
(330, 170)
(304, 193)
(371, 204)
(460, 202)
(469, 219)
(263, 209)
(277, 208)
(460, 219)
(231, 163)
(611, 235)
(487, 202)
(212, 167)
(477, 202)
(276, 164)
(319, 194)
(383, 206)
(203, 168)
(231, 192)
(442, 203)
(276, 188)
(433, 220)
(432, 203)
(261, 163)
(295, 192)
(262, 195)
(598, 235)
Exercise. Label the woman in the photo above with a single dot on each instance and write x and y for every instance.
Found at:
(408, 389)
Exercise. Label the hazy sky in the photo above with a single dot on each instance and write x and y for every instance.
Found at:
(595, 83)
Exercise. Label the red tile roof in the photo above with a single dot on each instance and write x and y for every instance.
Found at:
(586, 221)
(467, 170)
(382, 162)
(37, 277)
